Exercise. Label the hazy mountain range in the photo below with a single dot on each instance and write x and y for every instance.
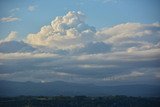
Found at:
(9, 88)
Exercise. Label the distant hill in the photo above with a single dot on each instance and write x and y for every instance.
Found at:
(9, 88)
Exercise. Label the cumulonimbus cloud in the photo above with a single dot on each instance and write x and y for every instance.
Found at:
(67, 32)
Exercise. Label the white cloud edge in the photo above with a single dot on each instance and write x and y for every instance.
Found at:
(10, 37)
(9, 19)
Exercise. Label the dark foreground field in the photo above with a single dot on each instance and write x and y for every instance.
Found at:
(79, 101)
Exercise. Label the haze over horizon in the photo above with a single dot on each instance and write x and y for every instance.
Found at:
(84, 41)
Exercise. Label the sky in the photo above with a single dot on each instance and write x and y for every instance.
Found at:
(83, 41)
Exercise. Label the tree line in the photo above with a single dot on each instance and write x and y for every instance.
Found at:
(79, 101)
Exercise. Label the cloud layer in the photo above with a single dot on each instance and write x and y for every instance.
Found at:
(70, 50)
(132, 35)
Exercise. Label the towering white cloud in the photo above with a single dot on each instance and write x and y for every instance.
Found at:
(67, 32)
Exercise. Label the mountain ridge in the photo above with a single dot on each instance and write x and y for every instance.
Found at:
(12, 88)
